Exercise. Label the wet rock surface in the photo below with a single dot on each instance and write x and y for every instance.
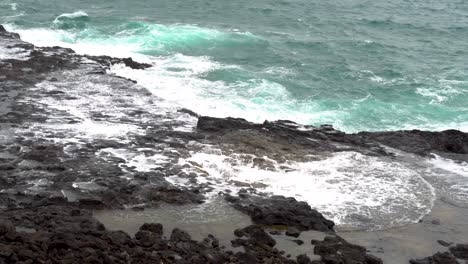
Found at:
(91, 244)
(334, 249)
(74, 138)
(449, 143)
(460, 251)
(58, 232)
(438, 258)
(282, 211)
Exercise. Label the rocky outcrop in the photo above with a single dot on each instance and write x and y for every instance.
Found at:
(335, 250)
(438, 258)
(65, 245)
(460, 251)
(275, 137)
(258, 246)
(282, 211)
(59, 232)
(5, 34)
(422, 142)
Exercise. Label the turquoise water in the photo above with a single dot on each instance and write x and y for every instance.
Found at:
(356, 64)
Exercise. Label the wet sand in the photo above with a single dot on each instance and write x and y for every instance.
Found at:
(398, 245)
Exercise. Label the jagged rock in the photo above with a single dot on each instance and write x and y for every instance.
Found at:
(303, 259)
(298, 241)
(279, 210)
(180, 235)
(335, 250)
(292, 231)
(460, 251)
(422, 142)
(444, 243)
(255, 236)
(175, 196)
(438, 258)
(153, 228)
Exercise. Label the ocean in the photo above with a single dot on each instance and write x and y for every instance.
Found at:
(359, 65)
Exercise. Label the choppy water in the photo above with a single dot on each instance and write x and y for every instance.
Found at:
(358, 64)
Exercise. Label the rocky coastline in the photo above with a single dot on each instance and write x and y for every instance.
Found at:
(54, 174)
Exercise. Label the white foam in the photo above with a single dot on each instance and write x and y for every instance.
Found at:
(459, 168)
(180, 80)
(443, 91)
(43, 37)
(71, 15)
(13, 53)
(138, 160)
(90, 186)
(80, 108)
(346, 184)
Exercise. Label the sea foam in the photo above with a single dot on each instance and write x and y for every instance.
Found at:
(354, 190)
(76, 14)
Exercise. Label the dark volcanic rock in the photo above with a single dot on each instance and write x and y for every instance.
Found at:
(438, 258)
(180, 235)
(298, 241)
(52, 217)
(258, 245)
(460, 251)
(153, 228)
(256, 236)
(5, 34)
(336, 250)
(213, 124)
(279, 210)
(422, 142)
(303, 259)
(175, 195)
(65, 245)
(444, 243)
(67, 234)
(292, 231)
(129, 62)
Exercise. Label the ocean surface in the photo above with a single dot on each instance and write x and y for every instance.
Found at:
(357, 64)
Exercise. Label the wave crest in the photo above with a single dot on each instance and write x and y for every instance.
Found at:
(77, 19)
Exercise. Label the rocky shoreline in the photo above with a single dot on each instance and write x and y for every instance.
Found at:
(67, 148)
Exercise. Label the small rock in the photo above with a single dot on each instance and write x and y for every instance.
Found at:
(303, 259)
(443, 243)
(438, 258)
(298, 241)
(180, 235)
(153, 228)
(292, 231)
